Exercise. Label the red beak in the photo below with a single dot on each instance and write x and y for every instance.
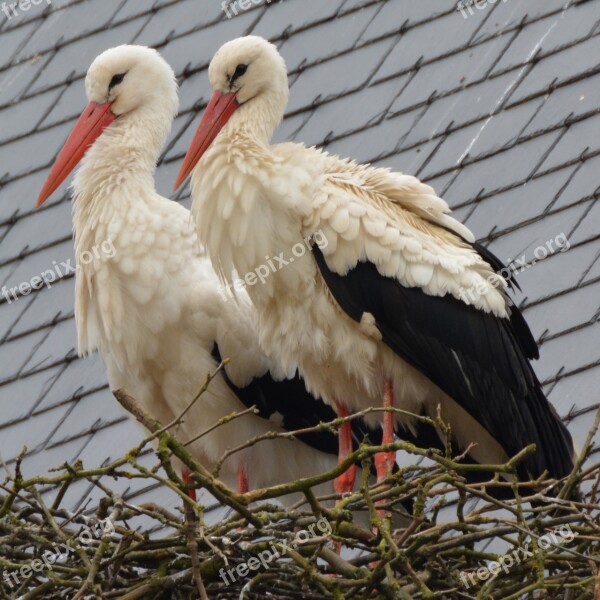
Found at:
(92, 122)
(218, 112)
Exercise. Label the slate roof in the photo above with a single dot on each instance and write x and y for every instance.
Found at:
(498, 111)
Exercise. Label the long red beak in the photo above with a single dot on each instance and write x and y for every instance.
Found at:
(218, 112)
(92, 122)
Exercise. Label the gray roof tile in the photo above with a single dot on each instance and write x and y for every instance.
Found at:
(165, 178)
(563, 353)
(290, 126)
(130, 10)
(322, 82)
(66, 25)
(70, 101)
(12, 311)
(413, 159)
(77, 378)
(309, 46)
(541, 317)
(571, 101)
(76, 57)
(579, 390)
(506, 16)
(112, 443)
(354, 4)
(540, 37)
(16, 80)
(444, 35)
(503, 128)
(293, 16)
(32, 432)
(375, 141)
(21, 194)
(176, 19)
(349, 115)
(40, 233)
(19, 118)
(60, 343)
(35, 463)
(592, 271)
(90, 412)
(452, 74)
(23, 269)
(584, 183)
(581, 137)
(536, 9)
(587, 228)
(14, 355)
(196, 48)
(518, 205)
(194, 91)
(472, 103)
(13, 40)
(46, 307)
(39, 145)
(20, 397)
(555, 273)
(510, 166)
(394, 13)
(451, 149)
(560, 67)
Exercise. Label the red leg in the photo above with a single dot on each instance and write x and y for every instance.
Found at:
(345, 482)
(187, 478)
(384, 461)
(242, 480)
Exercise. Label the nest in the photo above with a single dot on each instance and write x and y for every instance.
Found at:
(458, 541)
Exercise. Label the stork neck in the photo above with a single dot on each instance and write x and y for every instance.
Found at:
(116, 172)
(119, 167)
(257, 119)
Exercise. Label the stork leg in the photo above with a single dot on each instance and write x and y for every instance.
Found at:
(344, 483)
(384, 461)
(187, 478)
(243, 486)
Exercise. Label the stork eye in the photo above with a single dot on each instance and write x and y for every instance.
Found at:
(239, 71)
(116, 80)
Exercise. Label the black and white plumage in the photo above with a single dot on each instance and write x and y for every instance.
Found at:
(397, 302)
(288, 404)
(469, 354)
(153, 308)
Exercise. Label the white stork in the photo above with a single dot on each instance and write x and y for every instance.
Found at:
(400, 303)
(154, 310)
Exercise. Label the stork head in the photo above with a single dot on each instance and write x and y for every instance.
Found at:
(250, 88)
(122, 84)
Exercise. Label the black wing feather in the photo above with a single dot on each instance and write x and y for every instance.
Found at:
(298, 409)
(477, 359)
(519, 325)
